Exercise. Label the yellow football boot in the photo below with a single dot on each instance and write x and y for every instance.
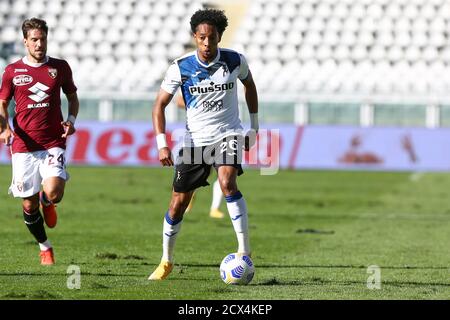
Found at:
(216, 213)
(162, 271)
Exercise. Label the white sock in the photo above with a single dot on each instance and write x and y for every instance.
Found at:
(217, 195)
(237, 209)
(45, 245)
(170, 232)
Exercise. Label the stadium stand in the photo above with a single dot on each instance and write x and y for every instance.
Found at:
(121, 40)
(349, 47)
(353, 51)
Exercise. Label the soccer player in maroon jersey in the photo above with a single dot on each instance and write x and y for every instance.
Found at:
(38, 137)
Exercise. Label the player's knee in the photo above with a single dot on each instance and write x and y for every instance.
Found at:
(176, 211)
(229, 186)
(178, 206)
(55, 195)
(29, 206)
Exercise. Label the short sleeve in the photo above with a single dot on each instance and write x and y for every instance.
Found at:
(243, 68)
(6, 85)
(172, 80)
(68, 85)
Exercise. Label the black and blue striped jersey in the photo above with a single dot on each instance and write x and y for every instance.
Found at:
(210, 94)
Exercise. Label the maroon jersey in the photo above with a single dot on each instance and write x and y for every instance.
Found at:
(36, 90)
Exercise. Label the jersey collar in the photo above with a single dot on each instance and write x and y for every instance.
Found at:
(211, 63)
(32, 64)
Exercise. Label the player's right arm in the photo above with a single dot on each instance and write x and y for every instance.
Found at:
(6, 93)
(180, 101)
(5, 131)
(3, 115)
(159, 126)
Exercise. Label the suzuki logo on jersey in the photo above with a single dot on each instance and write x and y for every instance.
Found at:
(22, 79)
(211, 87)
(39, 94)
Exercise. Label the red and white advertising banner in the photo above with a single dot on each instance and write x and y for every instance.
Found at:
(377, 148)
(277, 146)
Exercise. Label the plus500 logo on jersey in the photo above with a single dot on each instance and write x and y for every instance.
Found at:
(198, 90)
(22, 80)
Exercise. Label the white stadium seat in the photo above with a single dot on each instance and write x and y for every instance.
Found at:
(288, 53)
(161, 8)
(9, 34)
(341, 11)
(323, 10)
(395, 53)
(306, 10)
(359, 53)
(19, 8)
(324, 52)
(265, 23)
(68, 49)
(365, 38)
(330, 37)
(288, 10)
(104, 49)
(341, 52)
(412, 54)
(277, 37)
(403, 39)
(378, 53)
(54, 49)
(358, 11)
(87, 50)
(306, 52)
(272, 9)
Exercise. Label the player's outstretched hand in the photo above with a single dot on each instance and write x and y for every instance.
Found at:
(68, 128)
(165, 157)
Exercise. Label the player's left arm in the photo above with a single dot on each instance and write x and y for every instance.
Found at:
(74, 106)
(251, 94)
(251, 98)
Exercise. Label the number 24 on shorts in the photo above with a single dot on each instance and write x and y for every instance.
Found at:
(59, 161)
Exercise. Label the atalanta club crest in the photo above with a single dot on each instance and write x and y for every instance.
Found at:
(52, 72)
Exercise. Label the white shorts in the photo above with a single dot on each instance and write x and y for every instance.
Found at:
(30, 169)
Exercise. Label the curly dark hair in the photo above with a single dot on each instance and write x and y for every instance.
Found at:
(34, 23)
(213, 17)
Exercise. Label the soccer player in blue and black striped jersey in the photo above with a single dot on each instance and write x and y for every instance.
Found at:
(214, 136)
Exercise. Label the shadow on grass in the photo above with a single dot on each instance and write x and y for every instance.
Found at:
(39, 295)
(302, 266)
(182, 268)
(320, 281)
(114, 256)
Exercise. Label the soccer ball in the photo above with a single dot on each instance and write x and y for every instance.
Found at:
(237, 268)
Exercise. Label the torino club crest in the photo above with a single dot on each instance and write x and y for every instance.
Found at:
(52, 72)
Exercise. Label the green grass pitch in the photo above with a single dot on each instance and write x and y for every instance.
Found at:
(313, 235)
